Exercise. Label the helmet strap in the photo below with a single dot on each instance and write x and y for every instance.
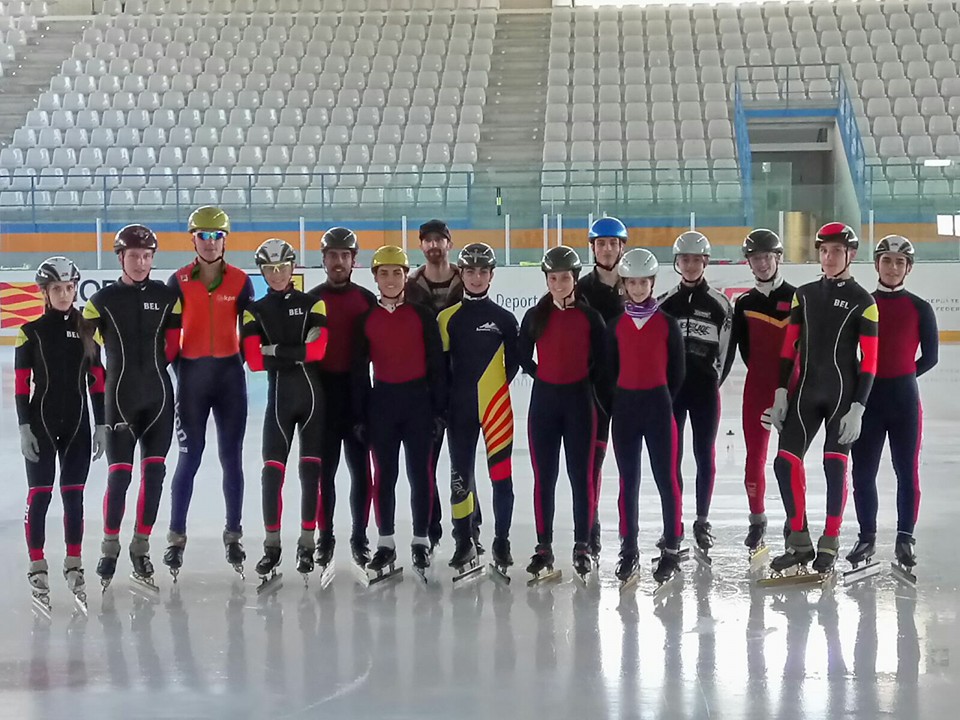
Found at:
(846, 266)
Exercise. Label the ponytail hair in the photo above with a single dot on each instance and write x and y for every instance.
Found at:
(85, 329)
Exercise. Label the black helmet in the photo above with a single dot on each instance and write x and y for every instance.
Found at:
(135, 237)
(837, 232)
(477, 255)
(56, 269)
(339, 238)
(762, 240)
(561, 258)
(895, 244)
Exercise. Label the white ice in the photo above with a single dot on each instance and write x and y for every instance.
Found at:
(717, 648)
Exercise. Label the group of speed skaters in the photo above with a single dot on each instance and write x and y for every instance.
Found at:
(430, 357)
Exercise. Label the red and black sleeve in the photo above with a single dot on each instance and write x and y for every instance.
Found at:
(791, 341)
(23, 371)
(360, 369)
(251, 334)
(97, 387)
(869, 342)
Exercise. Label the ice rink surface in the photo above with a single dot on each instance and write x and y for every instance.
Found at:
(716, 648)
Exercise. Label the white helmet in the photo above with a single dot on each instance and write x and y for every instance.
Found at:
(275, 251)
(638, 263)
(691, 243)
(56, 269)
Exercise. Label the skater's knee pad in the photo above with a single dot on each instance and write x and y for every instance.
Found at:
(153, 469)
(120, 473)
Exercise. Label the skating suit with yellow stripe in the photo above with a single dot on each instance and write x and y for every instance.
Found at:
(480, 346)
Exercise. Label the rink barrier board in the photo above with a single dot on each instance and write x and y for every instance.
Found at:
(65, 243)
(515, 288)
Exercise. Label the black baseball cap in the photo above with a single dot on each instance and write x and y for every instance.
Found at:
(435, 226)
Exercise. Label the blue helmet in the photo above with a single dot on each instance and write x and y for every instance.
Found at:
(608, 227)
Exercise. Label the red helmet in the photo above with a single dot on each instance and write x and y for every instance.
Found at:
(837, 232)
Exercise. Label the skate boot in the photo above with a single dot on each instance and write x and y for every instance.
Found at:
(668, 567)
(326, 543)
(478, 545)
(234, 552)
(541, 565)
(73, 574)
(305, 563)
(142, 574)
(173, 556)
(360, 551)
(756, 547)
(465, 560)
(40, 587)
(420, 555)
(502, 559)
(703, 537)
(627, 569)
(861, 559)
(107, 567)
(827, 548)
(383, 565)
(662, 544)
(595, 545)
(902, 569)
(582, 562)
(270, 579)
(798, 555)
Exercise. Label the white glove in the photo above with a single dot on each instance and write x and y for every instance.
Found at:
(28, 444)
(776, 415)
(99, 441)
(269, 350)
(850, 424)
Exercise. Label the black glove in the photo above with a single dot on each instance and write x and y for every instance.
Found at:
(360, 433)
(439, 425)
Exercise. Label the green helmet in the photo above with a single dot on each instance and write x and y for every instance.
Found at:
(561, 258)
(208, 217)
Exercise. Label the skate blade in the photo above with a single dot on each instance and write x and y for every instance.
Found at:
(145, 586)
(801, 579)
(902, 574)
(174, 572)
(423, 574)
(237, 569)
(326, 576)
(703, 559)
(684, 554)
(759, 556)
(583, 579)
(544, 577)
(498, 574)
(81, 605)
(42, 607)
(270, 585)
(666, 588)
(867, 570)
(470, 571)
(630, 583)
(378, 578)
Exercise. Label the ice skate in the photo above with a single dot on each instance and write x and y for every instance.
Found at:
(582, 562)
(628, 572)
(324, 556)
(595, 545)
(541, 566)
(383, 566)
(666, 572)
(360, 555)
(465, 561)
(142, 574)
(827, 548)
(107, 567)
(173, 559)
(40, 588)
(421, 556)
(756, 539)
(684, 552)
(502, 560)
(73, 574)
(902, 569)
(270, 579)
(234, 552)
(703, 538)
(791, 567)
(305, 562)
(861, 560)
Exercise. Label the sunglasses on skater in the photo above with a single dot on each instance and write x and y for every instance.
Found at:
(276, 267)
(209, 235)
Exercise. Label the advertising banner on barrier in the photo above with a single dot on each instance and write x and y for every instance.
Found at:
(515, 288)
